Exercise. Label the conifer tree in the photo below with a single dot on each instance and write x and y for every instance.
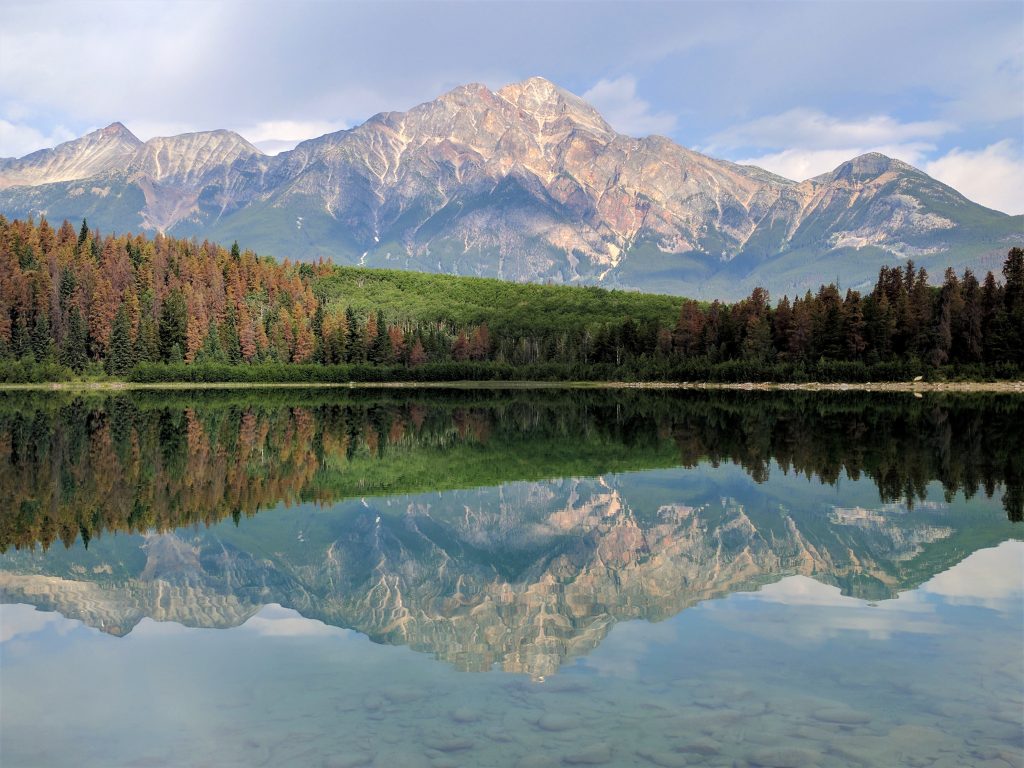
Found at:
(42, 346)
(230, 342)
(173, 324)
(83, 235)
(460, 347)
(316, 326)
(380, 347)
(355, 344)
(121, 355)
(211, 351)
(73, 354)
(147, 342)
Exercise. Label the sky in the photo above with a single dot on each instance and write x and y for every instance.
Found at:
(796, 88)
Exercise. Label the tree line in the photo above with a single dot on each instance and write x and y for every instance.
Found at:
(82, 303)
(72, 467)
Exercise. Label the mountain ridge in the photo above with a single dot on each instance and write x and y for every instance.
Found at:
(528, 183)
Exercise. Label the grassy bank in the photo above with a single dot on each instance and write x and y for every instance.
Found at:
(809, 386)
(650, 371)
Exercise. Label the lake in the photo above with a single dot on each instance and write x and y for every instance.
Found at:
(511, 578)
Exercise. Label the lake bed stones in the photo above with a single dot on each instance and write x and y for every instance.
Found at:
(350, 760)
(464, 715)
(448, 742)
(554, 722)
(783, 757)
(595, 754)
(841, 716)
(664, 759)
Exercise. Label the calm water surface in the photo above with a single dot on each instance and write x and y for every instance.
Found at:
(511, 579)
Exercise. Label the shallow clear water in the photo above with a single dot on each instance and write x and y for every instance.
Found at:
(728, 612)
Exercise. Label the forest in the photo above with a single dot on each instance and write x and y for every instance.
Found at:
(80, 304)
(74, 466)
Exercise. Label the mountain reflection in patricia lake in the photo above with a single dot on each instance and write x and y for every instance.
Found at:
(511, 578)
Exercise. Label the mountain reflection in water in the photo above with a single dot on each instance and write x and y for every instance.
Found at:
(491, 529)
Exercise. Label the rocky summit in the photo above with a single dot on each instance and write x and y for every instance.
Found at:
(525, 183)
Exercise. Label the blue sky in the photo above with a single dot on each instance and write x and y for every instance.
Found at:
(794, 87)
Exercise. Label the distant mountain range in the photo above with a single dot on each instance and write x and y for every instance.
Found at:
(525, 183)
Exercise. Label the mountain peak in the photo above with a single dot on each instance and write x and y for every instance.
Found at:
(544, 100)
(117, 130)
(870, 165)
(94, 153)
(188, 157)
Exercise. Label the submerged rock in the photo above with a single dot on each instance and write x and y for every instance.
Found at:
(537, 761)
(595, 754)
(465, 715)
(352, 760)
(841, 716)
(445, 743)
(784, 757)
(664, 759)
(557, 722)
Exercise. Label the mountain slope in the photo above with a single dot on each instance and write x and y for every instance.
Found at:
(525, 183)
(95, 153)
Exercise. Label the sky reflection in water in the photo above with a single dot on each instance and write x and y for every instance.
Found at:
(711, 615)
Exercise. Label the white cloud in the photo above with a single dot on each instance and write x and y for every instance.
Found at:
(17, 140)
(18, 619)
(814, 129)
(993, 578)
(626, 112)
(993, 176)
(809, 610)
(801, 143)
(800, 164)
(274, 620)
(275, 136)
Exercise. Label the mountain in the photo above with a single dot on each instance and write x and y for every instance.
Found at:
(523, 575)
(94, 154)
(525, 183)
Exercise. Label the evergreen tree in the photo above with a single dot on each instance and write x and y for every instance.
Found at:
(967, 338)
(856, 327)
(210, 351)
(380, 348)
(147, 342)
(230, 342)
(355, 344)
(1013, 300)
(173, 324)
(121, 356)
(73, 353)
(42, 345)
(83, 235)
(316, 325)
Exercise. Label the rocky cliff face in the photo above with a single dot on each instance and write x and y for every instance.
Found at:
(522, 576)
(526, 183)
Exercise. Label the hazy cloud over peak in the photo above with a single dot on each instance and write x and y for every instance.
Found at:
(624, 110)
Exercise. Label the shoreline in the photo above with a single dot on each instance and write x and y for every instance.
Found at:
(914, 387)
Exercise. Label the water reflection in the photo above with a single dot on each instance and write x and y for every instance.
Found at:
(74, 467)
(794, 673)
(519, 575)
(637, 579)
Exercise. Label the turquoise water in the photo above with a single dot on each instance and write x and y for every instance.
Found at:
(706, 613)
